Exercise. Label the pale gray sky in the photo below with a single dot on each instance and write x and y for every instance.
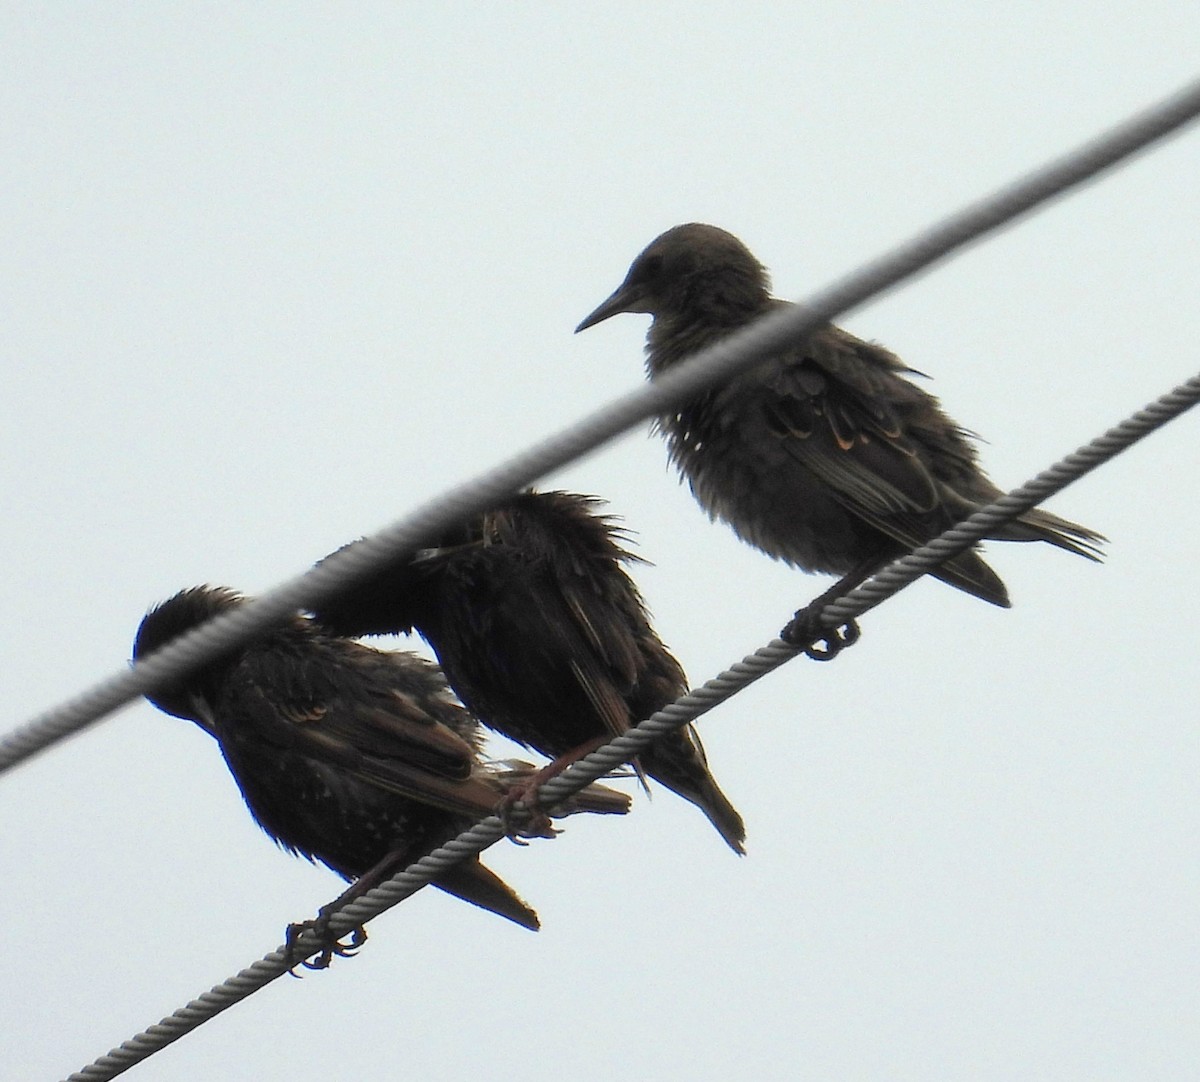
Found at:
(271, 277)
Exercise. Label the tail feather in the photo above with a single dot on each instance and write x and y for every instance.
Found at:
(968, 572)
(474, 883)
(595, 799)
(677, 761)
(1039, 525)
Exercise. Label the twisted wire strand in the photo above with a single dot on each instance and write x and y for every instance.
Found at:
(621, 749)
(713, 365)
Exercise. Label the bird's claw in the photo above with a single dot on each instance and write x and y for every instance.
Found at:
(330, 945)
(811, 638)
(537, 825)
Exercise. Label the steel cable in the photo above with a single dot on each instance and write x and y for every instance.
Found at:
(698, 701)
(736, 353)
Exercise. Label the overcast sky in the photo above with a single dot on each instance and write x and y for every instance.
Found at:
(271, 277)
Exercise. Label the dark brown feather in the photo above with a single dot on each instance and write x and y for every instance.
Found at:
(828, 456)
(346, 755)
(543, 634)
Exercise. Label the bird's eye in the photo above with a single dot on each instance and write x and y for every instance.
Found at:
(648, 268)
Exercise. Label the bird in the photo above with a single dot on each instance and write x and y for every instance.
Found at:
(543, 635)
(827, 456)
(357, 758)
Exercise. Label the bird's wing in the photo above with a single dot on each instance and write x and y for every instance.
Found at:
(607, 662)
(387, 741)
(880, 445)
(596, 655)
(829, 405)
(562, 556)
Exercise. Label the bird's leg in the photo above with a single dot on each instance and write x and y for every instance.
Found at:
(805, 630)
(526, 791)
(331, 945)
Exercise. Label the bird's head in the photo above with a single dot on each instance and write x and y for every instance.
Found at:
(188, 609)
(694, 271)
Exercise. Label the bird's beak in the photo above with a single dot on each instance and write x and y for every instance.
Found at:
(627, 298)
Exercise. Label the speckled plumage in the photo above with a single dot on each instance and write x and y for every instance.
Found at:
(346, 755)
(827, 457)
(543, 634)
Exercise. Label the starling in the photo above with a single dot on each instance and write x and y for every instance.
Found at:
(543, 635)
(354, 757)
(826, 456)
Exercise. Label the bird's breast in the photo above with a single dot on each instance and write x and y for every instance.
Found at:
(742, 474)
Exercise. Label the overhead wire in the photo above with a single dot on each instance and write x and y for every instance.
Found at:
(712, 365)
(698, 701)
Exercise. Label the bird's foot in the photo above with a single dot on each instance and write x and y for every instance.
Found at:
(330, 944)
(537, 824)
(806, 633)
(525, 792)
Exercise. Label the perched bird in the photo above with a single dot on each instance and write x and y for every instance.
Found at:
(355, 757)
(826, 457)
(543, 635)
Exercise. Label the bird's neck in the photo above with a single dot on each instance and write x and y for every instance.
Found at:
(676, 336)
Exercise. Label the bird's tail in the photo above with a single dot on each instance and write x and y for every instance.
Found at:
(679, 763)
(1039, 525)
(968, 572)
(596, 799)
(480, 886)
